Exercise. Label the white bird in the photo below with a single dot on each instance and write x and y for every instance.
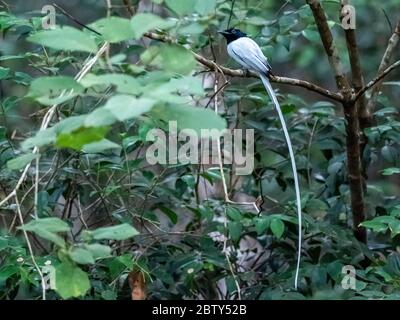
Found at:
(247, 53)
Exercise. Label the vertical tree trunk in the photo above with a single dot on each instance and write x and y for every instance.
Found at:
(354, 169)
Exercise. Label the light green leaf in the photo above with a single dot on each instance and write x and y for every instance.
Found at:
(71, 281)
(48, 224)
(109, 295)
(390, 171)
(114, 29)
(47, 229)
(80, 137)
(144, 22)
(54, 90)
(82, 256)
(65, 38)
(100, 146)
(4, 72)
(21, 161)
(204, 7)
(124, 83)
(177, 59)
(100, 117)
(119, 232)
(188, 117)
(42, 138)
(181, 7)
(375, 226)
(277, 227)
(99, 251)
(125, 107)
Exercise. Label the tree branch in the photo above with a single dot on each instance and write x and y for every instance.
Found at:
(329, 45)
(241, 73)
(376, 81)
(385, 63)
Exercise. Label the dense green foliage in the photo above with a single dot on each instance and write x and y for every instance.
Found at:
(98, 211)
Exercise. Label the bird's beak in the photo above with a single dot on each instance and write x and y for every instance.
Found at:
(223, 32)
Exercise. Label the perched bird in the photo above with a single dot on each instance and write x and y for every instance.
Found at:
(247, 53)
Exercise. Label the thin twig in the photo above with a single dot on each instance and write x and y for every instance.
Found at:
(375, 81)
(21, 220)
(65, 13)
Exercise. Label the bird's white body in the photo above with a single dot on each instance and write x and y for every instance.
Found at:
(247, 53)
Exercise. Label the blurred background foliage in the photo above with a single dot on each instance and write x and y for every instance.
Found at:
(167, 227)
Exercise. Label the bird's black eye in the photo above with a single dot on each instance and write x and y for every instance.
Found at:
(233, 31)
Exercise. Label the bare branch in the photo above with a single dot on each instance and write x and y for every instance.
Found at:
(329, 45)
(385, 63)
(375, 81)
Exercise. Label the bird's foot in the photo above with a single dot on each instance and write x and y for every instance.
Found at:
(246, 72)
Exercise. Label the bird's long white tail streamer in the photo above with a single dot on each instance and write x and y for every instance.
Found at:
(272, 95)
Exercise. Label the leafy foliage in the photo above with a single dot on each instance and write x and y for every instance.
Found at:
(99, 212)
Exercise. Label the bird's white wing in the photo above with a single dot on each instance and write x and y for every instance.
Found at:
(246, 52)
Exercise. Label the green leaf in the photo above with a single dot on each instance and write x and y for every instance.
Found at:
(235, 230)
(99, 251)
(144, 22)
(99, 146)
(120, 232)
(124, 83)
(4, 72)
(81, 256)
(47, 229)
(54, 90)
(234, 214)
(124, 107)
(48, 224)
(170, 214)
(78, 138)
(109, 295)
(65, 38)
(375, 226)
(311, 35)
(181, 7)
(261, 224)
(394, 227)
(204, 7)
(114, 29)
(277, 227)
(390, 171)
(71, 281)
(100, 117)
(21, 161)
(188, 117)
(176, 59)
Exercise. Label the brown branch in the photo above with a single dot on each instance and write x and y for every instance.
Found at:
(128, 7)
(357, 81)
(355, 178)
(354, 56)
(366, 114)
(376, 81)
(241, 73)
(329, 45)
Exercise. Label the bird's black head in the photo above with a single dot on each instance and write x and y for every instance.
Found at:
(232, 34)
